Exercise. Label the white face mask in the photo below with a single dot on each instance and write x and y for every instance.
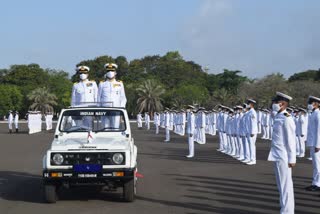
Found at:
(83, 76)
(276, 107)
(310, 107)
(111, 74)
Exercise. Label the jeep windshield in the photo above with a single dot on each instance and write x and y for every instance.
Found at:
(96, 120)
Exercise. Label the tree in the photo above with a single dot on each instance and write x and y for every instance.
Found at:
(150, 93)
(11, 99)
(305, 75)
(42, 100)
(187, 95)
(263, 89)
(59, 84)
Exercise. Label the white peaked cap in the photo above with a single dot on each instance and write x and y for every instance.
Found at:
(83, 68)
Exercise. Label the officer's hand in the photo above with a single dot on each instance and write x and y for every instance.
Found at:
(251, 135)
(302, 135)
(191, 135)
(291, 165)
(316, 149)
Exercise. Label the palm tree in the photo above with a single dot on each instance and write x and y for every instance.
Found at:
(150, 96)
(42, 100)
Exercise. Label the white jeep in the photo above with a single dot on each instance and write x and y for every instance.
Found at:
(91, 146)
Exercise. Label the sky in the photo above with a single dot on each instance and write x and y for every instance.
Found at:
(258, 37)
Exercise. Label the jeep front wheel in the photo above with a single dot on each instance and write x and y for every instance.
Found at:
(129, 190)
(50, 193)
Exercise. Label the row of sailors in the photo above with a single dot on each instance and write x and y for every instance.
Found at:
(291, 129)
(232, 125)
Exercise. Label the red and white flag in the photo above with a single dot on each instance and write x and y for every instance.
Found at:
(90, 137)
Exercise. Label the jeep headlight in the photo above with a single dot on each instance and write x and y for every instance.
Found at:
(57, 159)
(117, 158)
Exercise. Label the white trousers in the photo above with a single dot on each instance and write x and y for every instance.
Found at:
(221, 140)
(302, 146)
(167, 134)
(16, 124)
(10, 125)
(259, 128)
(157, 129)
(240, 148)
(191, 145)
(285, 186)
(252, 147)
(316, 167)
(246, 152)
(225, 141)
(267, 132)
(139, 124)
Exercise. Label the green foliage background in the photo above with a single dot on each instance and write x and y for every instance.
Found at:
(185, 82)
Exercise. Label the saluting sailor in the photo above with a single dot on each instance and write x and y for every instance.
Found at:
(283, 151)
(85, 91)
(111, 92)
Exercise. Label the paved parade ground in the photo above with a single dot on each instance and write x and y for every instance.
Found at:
(209, 183)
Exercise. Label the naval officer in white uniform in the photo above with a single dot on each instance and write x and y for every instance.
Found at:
(84, 92)
(283, 151)
(111, 92)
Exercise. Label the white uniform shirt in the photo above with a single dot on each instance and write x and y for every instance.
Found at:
(283, 146)
(314, 130)
(84, 92)
(191, 122)
(111, 94)
(252, 123)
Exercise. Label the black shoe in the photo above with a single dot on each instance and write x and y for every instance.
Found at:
(313, 188)
(17, 130)
(10, 131)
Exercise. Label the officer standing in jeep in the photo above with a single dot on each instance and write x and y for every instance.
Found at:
(85, 91)
(111, 94)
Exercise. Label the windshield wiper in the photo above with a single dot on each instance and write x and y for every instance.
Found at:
(107, 128)
(75, 129)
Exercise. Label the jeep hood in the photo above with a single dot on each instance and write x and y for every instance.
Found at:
(96, 144)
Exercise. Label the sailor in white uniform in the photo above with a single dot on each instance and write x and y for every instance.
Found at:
(313, 140)
(167, 125)
(147, 120)
(156, 121)
(283, 152)
(139, 120)
(84, 92)
(111, 94)
(303, 122)
(10, 121)
(190, 130)
(16, 121)
(252, 125)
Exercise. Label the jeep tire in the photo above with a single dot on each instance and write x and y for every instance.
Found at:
(50, 193)
(129, 190)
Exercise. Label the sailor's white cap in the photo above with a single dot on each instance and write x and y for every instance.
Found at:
(251, 101)
(111, 67)
(313, 98)
(282, 96)
(83, 68)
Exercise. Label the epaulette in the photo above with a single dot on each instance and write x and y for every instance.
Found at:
(101, 80)
(75, 83)
(119, 80)
(286, 114)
